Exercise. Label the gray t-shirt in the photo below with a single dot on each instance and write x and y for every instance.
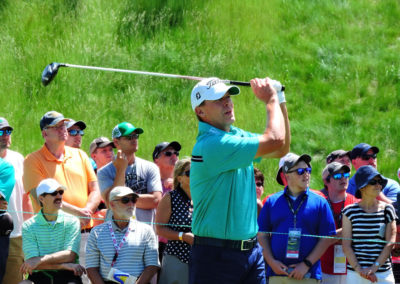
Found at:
(142, 177)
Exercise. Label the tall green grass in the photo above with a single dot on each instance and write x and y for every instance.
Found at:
(339, 60)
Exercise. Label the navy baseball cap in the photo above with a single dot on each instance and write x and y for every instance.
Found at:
(51, 118)
(364, 175)
(362, 149)
(164, 145)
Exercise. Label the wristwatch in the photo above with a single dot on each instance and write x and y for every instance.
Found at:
(307, 262)
(180, 236)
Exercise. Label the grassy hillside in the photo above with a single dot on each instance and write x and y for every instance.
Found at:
(339, 60)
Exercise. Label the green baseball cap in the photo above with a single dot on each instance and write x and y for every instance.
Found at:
(125, 129)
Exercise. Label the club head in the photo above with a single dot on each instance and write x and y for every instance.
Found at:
(50, 72)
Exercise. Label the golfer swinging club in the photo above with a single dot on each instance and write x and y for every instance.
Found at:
(222, 182)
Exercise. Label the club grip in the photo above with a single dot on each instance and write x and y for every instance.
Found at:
(247, 84)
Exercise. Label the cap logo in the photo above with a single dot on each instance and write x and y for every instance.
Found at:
(116, 132)
(212, 83)
(198, 96)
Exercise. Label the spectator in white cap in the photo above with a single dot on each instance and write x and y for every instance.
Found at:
(75, 133)
(101, 151)
(51, 239)
(19, 202)
(122, 248)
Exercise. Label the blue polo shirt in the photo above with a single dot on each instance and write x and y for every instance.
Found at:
(222, 183)
(314, 218)
(390, 191)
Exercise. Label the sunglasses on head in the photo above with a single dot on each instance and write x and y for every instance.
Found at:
(301, 171)
(374, 182)
(75, 132)
(367, 157)
(54, 194)
(126, 199)
(170, 153)
(341, 175)
(5, 132)
(132, 136)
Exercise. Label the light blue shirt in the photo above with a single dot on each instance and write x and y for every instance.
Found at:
(222, 183)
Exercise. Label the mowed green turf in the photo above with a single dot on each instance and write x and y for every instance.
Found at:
(338, 59)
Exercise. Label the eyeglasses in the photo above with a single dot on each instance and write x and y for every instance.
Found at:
(187, 173)
(75, 132)
(126, 199)
(54, 194)
(132, 136)
(259, 184)
(341, 175)
(301, 171)
(367, 157)
(5, 132)
(169, 154)
(375, 181)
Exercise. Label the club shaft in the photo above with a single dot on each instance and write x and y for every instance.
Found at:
(195, 78)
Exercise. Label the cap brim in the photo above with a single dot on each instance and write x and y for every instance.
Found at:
(278, 176)
(58, 120)
(79, 123)
(137, 130)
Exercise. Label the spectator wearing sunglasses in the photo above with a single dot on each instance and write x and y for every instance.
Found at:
(165, 156)
(122, 248)
(292, 213)
(70, 167)
(259, 178)
(127, 169)
(51, 239)
(362, 155)
(336, 179)
(18, 203)
(175, 211)
(7, 182)
(75, 133)
(369, 230)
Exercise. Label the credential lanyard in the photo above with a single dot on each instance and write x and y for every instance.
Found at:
(297, 209)
(121, 243)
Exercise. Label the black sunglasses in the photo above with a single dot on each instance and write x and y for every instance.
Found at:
(374, 182)
(75, 132)
(54, 194)
(169, 153)
(126, 199)
(301, 171)
(367, 157)
(132, 136)
(187, 173)
(259, 184)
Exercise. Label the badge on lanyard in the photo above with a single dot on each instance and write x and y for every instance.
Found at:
(293, 246)
(339, 260)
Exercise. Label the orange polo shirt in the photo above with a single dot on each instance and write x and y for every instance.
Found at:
(74, 171)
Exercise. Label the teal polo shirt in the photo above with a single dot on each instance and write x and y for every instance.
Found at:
(222, 183)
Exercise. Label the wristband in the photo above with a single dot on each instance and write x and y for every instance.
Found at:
(281, 97)
(180, 236)
(307, 262)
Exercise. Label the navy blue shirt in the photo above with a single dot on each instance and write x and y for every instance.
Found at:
(314, 217)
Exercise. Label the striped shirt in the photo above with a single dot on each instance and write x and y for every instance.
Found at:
(367, 230)
(139, 251)
(40, 237)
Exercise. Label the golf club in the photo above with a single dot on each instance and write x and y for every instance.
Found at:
(51, 71)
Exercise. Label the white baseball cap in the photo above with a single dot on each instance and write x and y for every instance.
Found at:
(211, 89)
(48, 185)
(121, 191)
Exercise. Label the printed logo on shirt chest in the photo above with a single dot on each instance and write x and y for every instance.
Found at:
(136, 183)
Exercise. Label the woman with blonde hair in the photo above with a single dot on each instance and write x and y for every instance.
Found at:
(173, 222)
